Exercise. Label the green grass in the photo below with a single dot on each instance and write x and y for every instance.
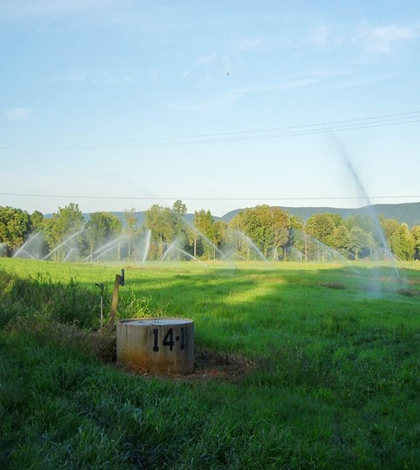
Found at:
(335, 383)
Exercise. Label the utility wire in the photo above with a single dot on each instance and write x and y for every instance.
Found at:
(239, 136)
(138, 198)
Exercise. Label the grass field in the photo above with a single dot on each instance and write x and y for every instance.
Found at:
(318, 367)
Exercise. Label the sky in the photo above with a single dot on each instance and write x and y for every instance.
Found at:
(121, 104)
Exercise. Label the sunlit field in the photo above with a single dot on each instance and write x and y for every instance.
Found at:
(313, 366)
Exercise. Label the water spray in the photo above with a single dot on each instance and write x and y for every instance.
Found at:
(362, 191)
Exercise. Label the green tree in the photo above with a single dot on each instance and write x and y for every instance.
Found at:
(391, 229)
(221, 233)
(37, 220)
(61, 226)
(406, 243)
(275, 230)
(15, 225)
(279, 225)
(321, 227)
(204, 223)
(163, 224)
(247, 223)
(102, 227)
(359, 240)
(130, 228)
(296, 223)
(267, 227)
(415, 235)
(365, 222)
(181, 227)
(179, 208)
(341, 239)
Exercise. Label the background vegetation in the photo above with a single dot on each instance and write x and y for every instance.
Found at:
(332, 379)
(262, 231)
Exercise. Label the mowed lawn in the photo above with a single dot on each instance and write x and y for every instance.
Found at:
(326, 368)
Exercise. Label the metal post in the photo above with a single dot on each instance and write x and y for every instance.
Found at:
(101, 286)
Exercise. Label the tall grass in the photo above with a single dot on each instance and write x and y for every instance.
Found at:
(335, 384)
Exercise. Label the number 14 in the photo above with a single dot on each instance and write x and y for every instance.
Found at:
(168, 339)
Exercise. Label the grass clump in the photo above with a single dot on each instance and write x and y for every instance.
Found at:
(38, 297)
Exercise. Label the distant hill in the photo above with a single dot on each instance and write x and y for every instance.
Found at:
(405, 212)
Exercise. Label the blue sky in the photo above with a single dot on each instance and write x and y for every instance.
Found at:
(120, 104)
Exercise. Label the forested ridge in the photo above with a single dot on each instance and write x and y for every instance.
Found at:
(405, 212)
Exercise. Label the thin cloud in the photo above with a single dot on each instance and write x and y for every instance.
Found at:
(96, 78)
(207, 59)
(385, 40)
(12, 10)
(287, 85)
(48, 6)
(323, 74)
(18, 114)
(246, 45)
(220, 103)
(239, 48)
(320, 37)
(323, 37)
(71, 77)
(366, 81)
(226, 101)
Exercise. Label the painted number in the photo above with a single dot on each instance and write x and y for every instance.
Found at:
(169, 340)
(155, 339)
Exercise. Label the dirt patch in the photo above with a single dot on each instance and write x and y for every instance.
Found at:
(332, 285)
(409, 292)
(209, 365)
(216, 365)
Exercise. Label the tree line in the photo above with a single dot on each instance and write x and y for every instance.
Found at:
(261, 232)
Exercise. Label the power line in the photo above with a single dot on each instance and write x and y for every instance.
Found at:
(140, 198)
(239, 136)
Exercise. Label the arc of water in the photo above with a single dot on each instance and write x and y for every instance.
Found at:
(63, 243)
(227, 254)
(188, 254)
(147, 246)
(193, 227)
(30, 240)
(299, 253)
(103, 247)
(248, 240)
(69, 253)
(362, 190)
(235, 253)
(24, 251)
(330, 251)
(105, 252)
(172, 245)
